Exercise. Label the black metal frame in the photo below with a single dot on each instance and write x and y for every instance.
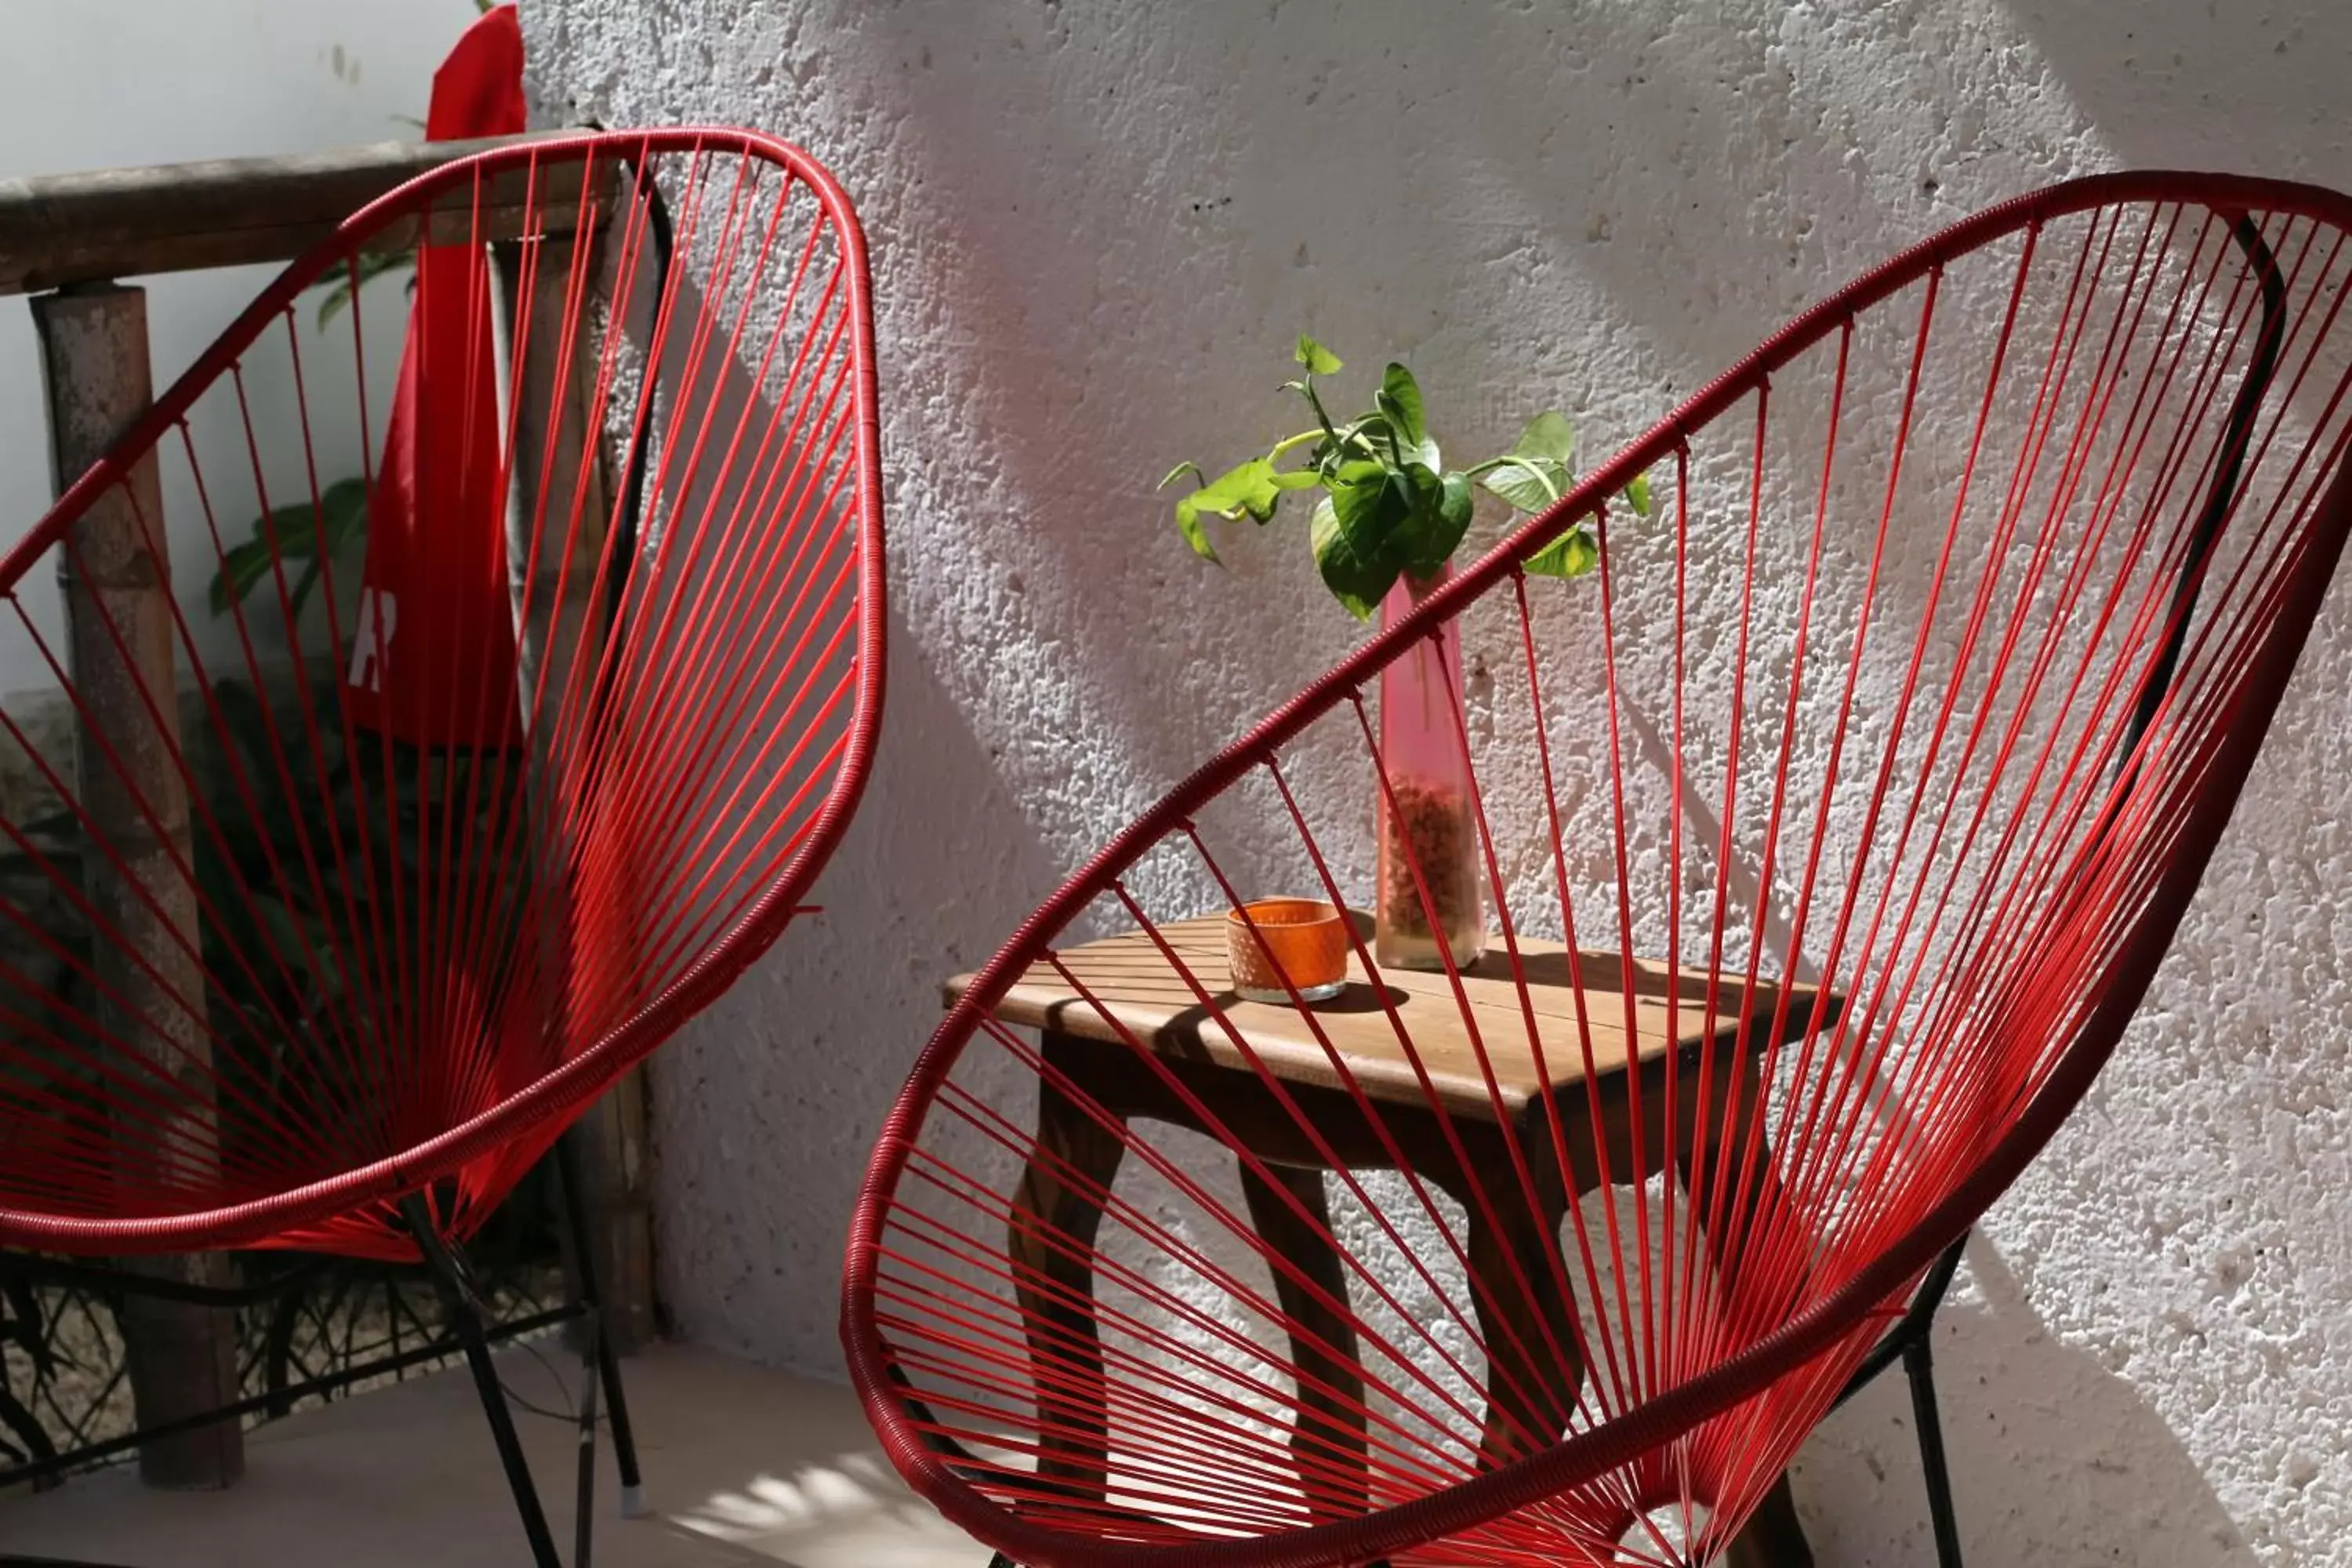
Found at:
(1908, 1342)
(107, 1283)
(599, 1367)
(475, 1335)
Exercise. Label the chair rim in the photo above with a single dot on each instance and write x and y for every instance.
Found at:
(1531, 1478)
(578, 1079)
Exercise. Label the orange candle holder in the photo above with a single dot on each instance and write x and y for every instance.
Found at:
(1304, 941)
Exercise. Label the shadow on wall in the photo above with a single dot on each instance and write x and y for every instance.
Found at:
(765, 1111)
(2046, 1445)
(765, 1108)
(2249, 89)
(1092, 235)
(1093, 360)
(2253, 90)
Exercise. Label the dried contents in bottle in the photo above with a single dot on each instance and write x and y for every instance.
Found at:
(1428, 828)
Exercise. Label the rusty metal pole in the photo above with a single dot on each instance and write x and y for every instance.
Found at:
(116, 582)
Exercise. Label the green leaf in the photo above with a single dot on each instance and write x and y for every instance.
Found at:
(1529, 484)
(1572, 554)
(1400, 399)
(1318, 360)
(346, 281)
(1370, 508)
(290, 533)
(1542, 470)
(1637, 495)
(1398, 402)
(1548, 437)
(1188, 523)
(1364, 440)
(302, 586)
(1252, 490)
(1454, 505)
(1438, 518)
(1245, 488)
(1358, 583)
(242, 566)
(1265, 495)
(345, 504)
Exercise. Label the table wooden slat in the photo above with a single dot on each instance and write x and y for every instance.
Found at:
(1134, 987)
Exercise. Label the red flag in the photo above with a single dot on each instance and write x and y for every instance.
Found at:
(432, 649)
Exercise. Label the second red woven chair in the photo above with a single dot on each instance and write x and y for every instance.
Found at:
(1831, 832)
(356, 884)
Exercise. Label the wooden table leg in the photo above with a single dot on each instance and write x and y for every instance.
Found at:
(1772, 1537)
(1753, 1201)
(1056, 1213)
(1750, 1206)
(1326, 1435)
(1533, 1371)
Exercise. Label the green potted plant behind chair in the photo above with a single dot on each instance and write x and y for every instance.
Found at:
(1387, 518)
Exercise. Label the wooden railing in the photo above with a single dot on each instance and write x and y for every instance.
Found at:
(57, 231)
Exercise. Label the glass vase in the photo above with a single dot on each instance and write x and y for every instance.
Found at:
(1429, 855)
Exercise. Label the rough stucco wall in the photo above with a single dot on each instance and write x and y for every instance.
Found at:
(1094, 228)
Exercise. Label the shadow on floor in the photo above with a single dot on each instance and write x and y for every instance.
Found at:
(744, 1467)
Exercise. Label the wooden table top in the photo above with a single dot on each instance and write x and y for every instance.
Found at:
(1136, 984)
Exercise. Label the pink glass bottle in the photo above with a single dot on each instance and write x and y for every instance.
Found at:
(1426, 808)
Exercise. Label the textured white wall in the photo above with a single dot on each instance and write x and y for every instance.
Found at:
(1094, 228)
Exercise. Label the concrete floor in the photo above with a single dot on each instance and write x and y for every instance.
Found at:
(744, 1468)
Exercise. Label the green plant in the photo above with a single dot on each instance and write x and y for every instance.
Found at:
(342, 285)
(312, 535)
(1389, 506)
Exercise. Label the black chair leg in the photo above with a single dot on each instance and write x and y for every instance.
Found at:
(1919, 1363)
(457, 1294)
(608, 1363)
(584, 1513)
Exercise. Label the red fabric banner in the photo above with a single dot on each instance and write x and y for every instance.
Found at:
(433, 649)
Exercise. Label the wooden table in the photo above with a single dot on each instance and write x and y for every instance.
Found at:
(1134, 1000)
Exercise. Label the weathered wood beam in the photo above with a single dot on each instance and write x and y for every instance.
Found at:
(59, 230)
(116, 581)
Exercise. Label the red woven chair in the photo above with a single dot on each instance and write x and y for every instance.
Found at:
(1831, 832)
(357, 883)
